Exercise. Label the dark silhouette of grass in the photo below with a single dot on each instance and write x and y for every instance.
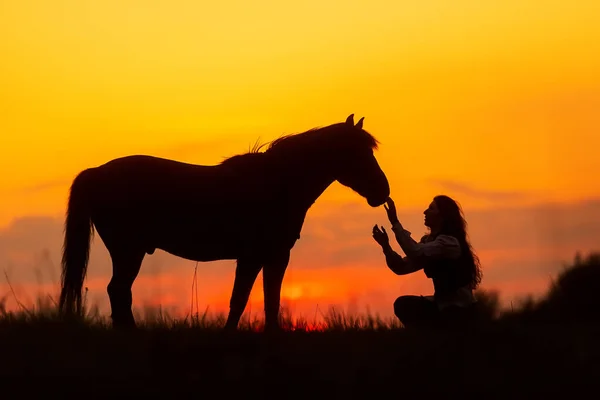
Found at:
(572, 298)
(549, 346)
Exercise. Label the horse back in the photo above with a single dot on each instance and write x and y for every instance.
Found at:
(197, 211)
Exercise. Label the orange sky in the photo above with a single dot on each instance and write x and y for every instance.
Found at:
(495, 103)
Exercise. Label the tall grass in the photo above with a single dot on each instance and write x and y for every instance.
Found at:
(573, 295)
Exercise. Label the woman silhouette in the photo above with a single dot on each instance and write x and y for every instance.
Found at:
(445, 255)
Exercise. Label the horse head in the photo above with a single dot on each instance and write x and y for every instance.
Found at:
(355, 164)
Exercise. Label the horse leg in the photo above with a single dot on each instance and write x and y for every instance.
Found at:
(245, 276)
(126, 266)
(273, 273)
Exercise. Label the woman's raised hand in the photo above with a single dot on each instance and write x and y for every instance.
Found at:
(390, 209)
(380, 236)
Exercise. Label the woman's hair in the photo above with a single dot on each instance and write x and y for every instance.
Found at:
(454, 224)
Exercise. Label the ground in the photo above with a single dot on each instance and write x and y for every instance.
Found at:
(495, 359)
(547, 348)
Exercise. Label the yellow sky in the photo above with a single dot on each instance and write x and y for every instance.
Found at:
(499, 95)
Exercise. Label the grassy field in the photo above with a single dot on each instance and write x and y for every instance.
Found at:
(549, 347)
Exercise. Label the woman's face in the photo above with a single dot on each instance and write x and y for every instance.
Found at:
(432, 216)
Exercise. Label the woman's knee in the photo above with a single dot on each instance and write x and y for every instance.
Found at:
(404, 306)
(415, 311)
(398, 305)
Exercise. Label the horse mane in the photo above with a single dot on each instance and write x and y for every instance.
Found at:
(361, 136)
(328, 134)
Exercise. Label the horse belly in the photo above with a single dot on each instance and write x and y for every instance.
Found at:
(197, 247)
(200, 253)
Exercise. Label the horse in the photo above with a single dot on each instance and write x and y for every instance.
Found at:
(250, 208)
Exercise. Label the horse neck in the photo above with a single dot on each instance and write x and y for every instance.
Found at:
(307, 181)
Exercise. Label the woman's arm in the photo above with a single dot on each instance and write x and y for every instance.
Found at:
(398, 264)
(444, 246)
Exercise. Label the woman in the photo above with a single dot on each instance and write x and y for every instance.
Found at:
(446, 257)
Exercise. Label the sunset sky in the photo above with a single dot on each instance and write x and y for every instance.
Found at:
(496, 103)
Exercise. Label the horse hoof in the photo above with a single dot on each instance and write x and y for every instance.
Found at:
(124, 325)
(229, 329)
(272, 329)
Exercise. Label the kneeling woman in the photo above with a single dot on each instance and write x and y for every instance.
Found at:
(446, 257)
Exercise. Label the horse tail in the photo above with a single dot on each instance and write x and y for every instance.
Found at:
(76, 245)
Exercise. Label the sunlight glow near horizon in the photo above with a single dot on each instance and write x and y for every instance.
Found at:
(502, 96)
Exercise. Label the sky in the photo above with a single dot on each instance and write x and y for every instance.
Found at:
(494, 103)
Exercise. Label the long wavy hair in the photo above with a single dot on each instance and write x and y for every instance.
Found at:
(454, 224)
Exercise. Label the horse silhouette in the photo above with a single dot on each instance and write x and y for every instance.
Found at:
(249, 208)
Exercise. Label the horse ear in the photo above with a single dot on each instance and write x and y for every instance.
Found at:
(359, 124)
(350, 120)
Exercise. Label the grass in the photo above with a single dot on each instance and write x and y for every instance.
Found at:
(546, 347)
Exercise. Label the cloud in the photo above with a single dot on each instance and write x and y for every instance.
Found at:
(44, 186)
(520, 248)
(35, 243)
(464, 189)
(190, 149)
